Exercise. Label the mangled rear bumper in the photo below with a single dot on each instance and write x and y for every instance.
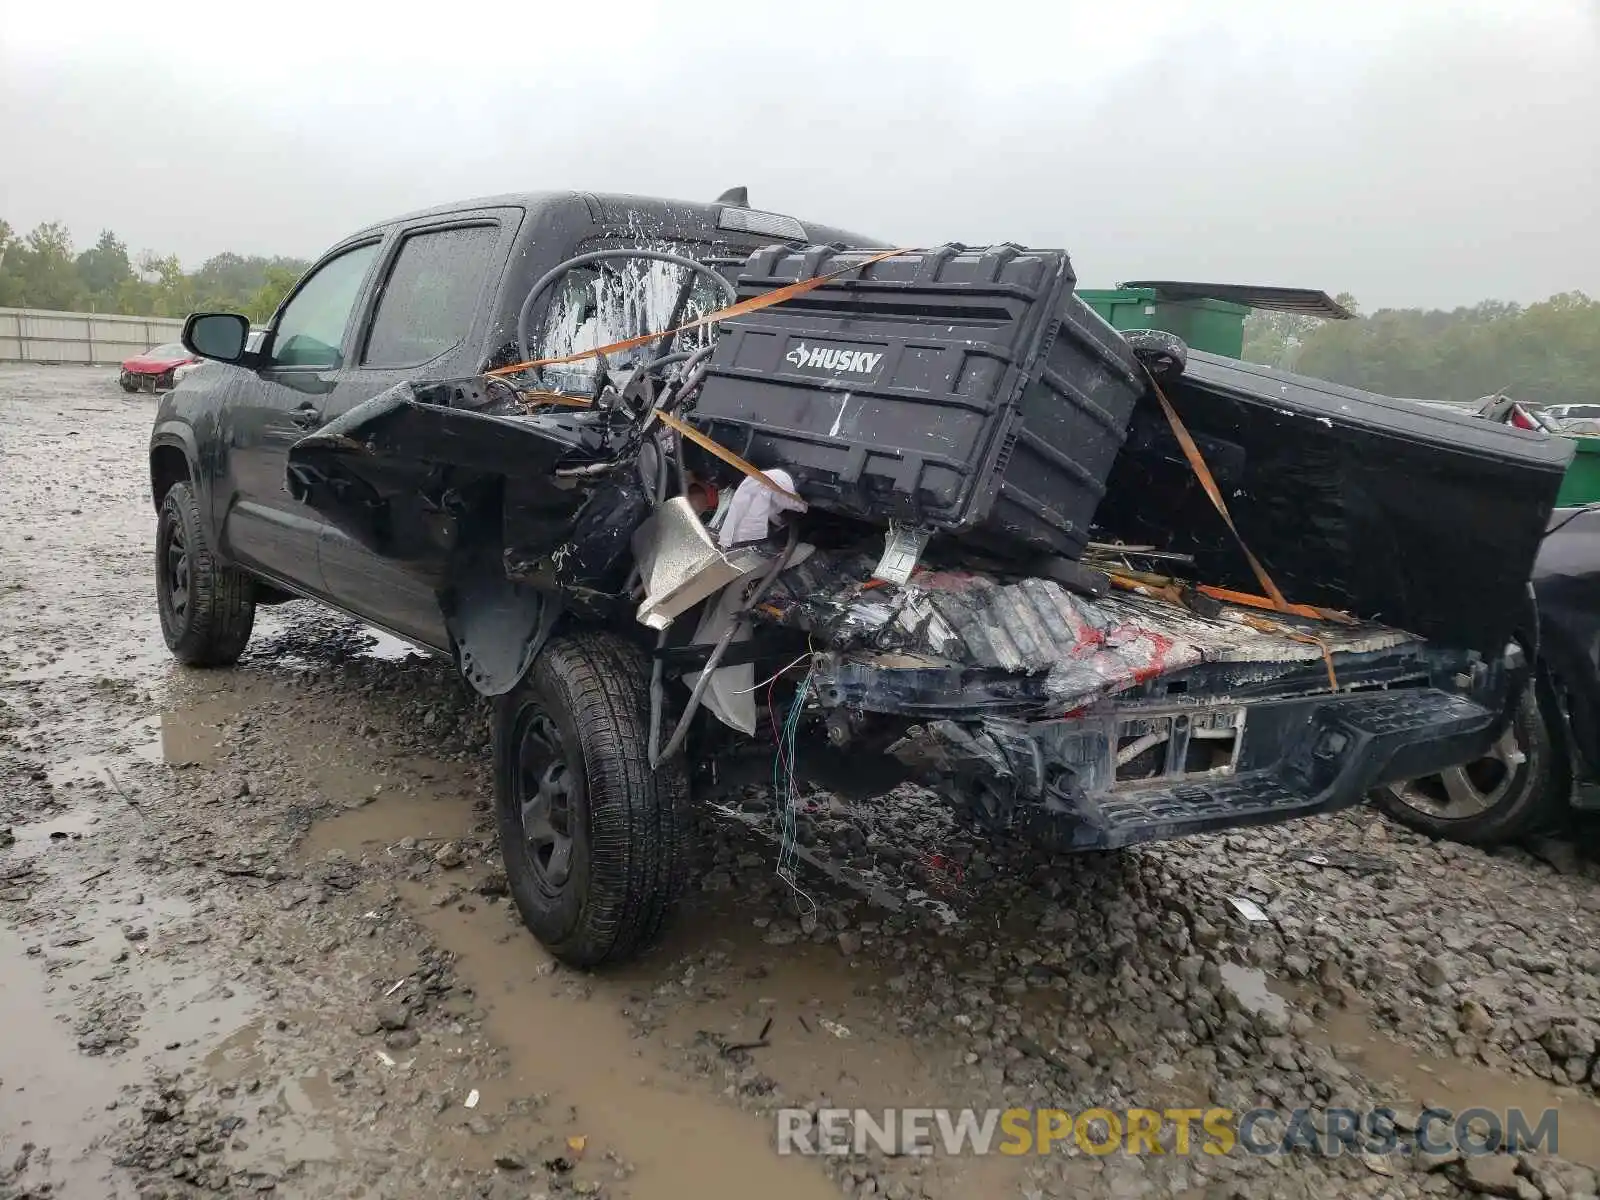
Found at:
(1055, 781)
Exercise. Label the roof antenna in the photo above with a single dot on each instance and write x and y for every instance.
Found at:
(738, 197)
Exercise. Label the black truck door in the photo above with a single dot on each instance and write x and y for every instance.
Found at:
(265, 527)
(428, 320)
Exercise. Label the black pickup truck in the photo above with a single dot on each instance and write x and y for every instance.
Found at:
(921, 506)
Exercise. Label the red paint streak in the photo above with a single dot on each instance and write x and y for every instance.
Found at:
(1158, 657)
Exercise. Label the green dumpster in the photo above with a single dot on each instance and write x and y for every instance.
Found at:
(1581, 484)
(1215, 326)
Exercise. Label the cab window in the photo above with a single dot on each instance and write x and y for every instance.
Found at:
(431, 297)
(310, 333)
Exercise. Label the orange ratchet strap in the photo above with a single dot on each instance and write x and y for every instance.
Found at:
(1197, 464)
(1229, 596)
(711, 446)
(754, 304)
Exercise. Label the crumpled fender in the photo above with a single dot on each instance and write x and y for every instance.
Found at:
(418, 474)
(391, 457)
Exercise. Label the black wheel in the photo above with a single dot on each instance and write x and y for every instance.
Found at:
(1516, 789)
(128, 382)
(207, 608)
(595, 843)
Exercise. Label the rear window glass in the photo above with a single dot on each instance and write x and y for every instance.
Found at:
(431, 298)
(615, 300)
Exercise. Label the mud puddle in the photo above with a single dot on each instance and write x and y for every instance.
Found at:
(52, 1097)
(630, 1060)
(291, 1118)
(1455, 1084)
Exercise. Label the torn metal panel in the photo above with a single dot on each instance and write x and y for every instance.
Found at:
(585, 555)
(498, 627)
(384, 469)
(680, 563)
(514, 516)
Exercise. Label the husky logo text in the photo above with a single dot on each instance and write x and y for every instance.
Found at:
(856, 362)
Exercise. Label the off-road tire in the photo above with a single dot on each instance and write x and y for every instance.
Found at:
(128, 383)
(589, 695)
(1535, 798)
(208, 623)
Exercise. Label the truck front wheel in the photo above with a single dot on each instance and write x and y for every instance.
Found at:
(594, 841)
(207, 607)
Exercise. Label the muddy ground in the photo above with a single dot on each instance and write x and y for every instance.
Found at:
(254, 941)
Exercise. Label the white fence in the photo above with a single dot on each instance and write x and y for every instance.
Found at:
(29, 335)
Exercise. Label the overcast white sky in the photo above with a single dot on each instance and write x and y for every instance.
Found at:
(1408, 151)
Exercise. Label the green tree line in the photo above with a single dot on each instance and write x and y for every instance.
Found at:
(42, 269)
(1544, 353)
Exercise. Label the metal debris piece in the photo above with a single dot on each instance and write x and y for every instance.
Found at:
(1249, 910)
(902, 547)
(833, 1027)
(680, 564)
(1353, 861)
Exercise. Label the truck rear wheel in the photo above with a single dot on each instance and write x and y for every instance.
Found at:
(595, 843)
(207, 608)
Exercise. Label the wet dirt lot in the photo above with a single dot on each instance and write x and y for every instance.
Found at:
(254, 941)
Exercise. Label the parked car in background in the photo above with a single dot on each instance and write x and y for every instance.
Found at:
(1547, 762)
(253, 343)
(154, 370)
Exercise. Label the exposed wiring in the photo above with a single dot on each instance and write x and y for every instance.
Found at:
(773, 678)
(786, 788)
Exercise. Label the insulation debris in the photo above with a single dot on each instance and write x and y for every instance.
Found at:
(1077, 648)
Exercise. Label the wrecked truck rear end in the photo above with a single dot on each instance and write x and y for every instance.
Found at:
(900, 499)
(1095, 722)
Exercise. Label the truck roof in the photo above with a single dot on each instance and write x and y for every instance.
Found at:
(603, 204)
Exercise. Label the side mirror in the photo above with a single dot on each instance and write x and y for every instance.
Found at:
(221, 336)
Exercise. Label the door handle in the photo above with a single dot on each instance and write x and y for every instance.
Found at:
(306, 416)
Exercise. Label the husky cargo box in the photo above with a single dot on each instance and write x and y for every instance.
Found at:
(960, 390)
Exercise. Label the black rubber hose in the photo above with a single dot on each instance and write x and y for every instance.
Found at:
(667, 360)
(583, 260)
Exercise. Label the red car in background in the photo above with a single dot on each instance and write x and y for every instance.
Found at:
(152, 370)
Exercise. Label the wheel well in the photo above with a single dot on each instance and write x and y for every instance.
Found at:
(168, 465)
